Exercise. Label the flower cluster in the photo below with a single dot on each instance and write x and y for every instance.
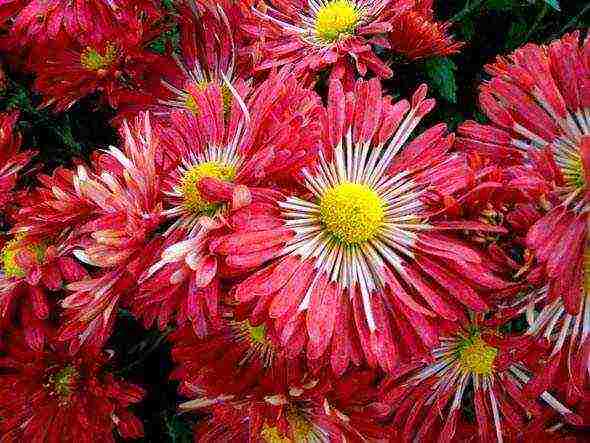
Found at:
(325, 266)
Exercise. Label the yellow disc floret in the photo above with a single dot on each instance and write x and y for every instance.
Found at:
(476, 356)
(61, 383)
(93, 60)
(352, 212)
(193, 201)
(226, 97)
(300, 429)
(336, 19)
(10, 250)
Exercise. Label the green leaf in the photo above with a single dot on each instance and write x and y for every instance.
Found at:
(554, 4)
(501, 5)
(441, 72)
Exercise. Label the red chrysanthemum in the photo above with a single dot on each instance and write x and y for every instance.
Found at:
(37, 22)
(473, 386)
(207, 54)
(116, 65)
(343, 33)
(30, 267)
(238, 358)
(117, 236)
(312, 410)
(220, 152)
(12, 160)
(109, 213)
(539, 102)
(362, 263)
(47, 395)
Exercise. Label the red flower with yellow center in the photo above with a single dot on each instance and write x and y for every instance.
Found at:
(337, 34)
(473, 370)
(48, 395)
(359, 264)
(538, 101)
(269, 133)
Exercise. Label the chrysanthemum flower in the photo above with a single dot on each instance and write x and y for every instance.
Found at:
(47, 395)
(110, 213)
(29, 267)
(238, 358)
(313, 35)
(313, 410)
(539, 102)
(566, 336)
(37, 22)
(117, 66)
(12, 160)
(271, 133)
(476, 380)
(207, 55)
(361, 263)
(118, 237)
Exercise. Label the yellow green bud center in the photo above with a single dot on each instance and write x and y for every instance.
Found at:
(11, 249)
(301, 430)
(353, 213)
(226, 96)
(256, 334)
(93, 60)
(336, 19)
(476, 356)
(193, 200)
(62, 383)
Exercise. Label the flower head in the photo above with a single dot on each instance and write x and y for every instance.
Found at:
(271, 132)
(538, 101)
(337, 33)
(237, 359)
(208, 54)
(30, 267)
(36, 22)
(311, 410)
(475, 371)
(48, 395)
(360, 263)
(117, 66)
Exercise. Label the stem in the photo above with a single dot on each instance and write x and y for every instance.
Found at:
(468, 9)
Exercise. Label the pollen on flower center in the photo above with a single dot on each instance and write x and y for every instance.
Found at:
(256, 334)
(335, 19)
(300, 428)
(352, 212)
(226, 97)
(476, 356)
(193, 201)
(93, 60)
(61, 383)
(11, 249)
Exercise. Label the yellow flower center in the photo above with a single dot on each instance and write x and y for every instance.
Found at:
(10, 251)
(300, 428)
(61, 383)
(256, 334)
(336, 19)
(193, 201)
(93, 60)
(352, 212)
(476, 356)
(226, 96)
(573, 172)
